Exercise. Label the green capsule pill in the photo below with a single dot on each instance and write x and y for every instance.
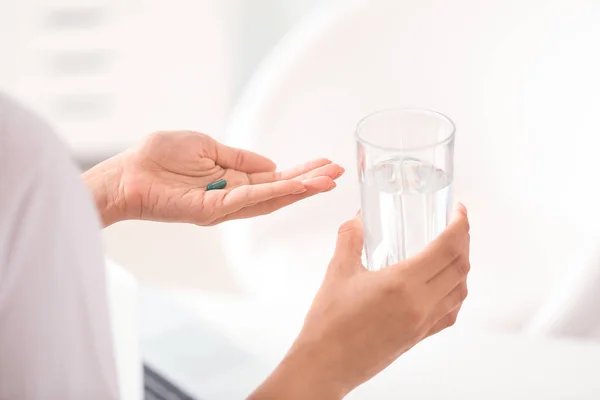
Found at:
(220, 184)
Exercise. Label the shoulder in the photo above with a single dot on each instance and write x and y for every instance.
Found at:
(28, 145)
(35, 166)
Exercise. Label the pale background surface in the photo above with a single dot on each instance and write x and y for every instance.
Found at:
(107, 72)
(135, 66)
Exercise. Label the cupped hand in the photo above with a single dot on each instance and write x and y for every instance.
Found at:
(361, 321)
(165, 179)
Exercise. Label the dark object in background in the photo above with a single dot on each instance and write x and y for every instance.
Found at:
(157, 387)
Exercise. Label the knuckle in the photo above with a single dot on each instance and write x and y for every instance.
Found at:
(396, 291)
(392, 288)
(452, 317)
(460, 294)
(346, 228)
(152, 140)
(239, 160)
(200, 137)
(350, 233)
(464, 292)
(467, 225)
(400, 286)
(452, 249)
(158, 137)
(463, 267)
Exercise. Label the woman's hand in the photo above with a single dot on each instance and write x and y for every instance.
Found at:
(361, 321)
(165, 179)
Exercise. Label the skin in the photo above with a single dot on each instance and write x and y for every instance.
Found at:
(360, 321)
(165, 179)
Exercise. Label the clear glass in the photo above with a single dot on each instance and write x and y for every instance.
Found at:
(405, 164)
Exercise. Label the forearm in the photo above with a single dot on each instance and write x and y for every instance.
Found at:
(302, 374)
(102, 181)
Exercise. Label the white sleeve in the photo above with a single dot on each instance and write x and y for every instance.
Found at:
(55, 337)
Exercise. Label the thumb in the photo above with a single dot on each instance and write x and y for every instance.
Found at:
(349, 246)
(459, 213)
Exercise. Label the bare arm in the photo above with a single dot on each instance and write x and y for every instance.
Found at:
(361, 321)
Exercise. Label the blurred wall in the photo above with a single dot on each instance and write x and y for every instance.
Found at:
(107, 72)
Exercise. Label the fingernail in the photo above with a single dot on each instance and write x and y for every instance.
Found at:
(340, 173)
(299, 191)
(331, 187)
(460, 207)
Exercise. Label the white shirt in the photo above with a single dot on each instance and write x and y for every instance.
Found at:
(55, 337)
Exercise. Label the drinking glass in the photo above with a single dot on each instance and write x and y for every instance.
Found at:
(405, 164)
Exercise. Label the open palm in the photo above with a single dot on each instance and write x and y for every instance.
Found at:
(165, 179)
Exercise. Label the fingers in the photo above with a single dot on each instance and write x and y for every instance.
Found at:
(458, 213)
(445, 322)
(227, 202)
(313, 186)
(332, 171)
(317, 177)
(443, 283)
(241, 160)
(444, 250)
(349, 247)
(266, 177)
(450, 302)
(320, 167)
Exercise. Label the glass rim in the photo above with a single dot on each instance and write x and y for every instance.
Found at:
(437, 114)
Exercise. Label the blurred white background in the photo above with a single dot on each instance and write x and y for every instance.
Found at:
(520, 79)
(108, 72)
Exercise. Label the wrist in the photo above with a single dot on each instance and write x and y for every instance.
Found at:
(304, 373)
(103, 181)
